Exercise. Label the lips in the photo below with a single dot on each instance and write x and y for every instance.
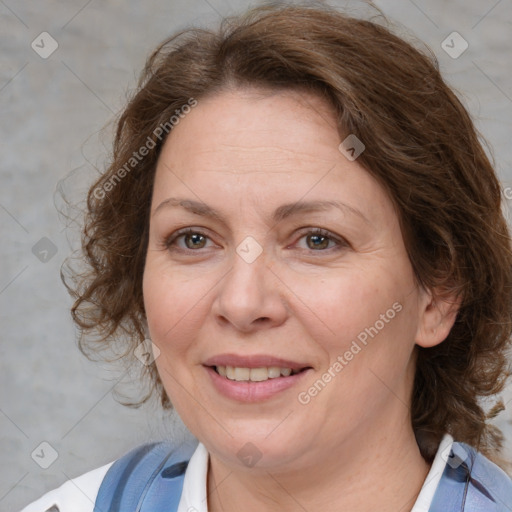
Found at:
(254, 378)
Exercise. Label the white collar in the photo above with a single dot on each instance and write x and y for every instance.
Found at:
(193, 497)
(431, 483)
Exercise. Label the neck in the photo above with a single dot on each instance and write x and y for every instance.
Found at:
(382, 472)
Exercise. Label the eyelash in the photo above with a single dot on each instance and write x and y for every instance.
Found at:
(170, 243)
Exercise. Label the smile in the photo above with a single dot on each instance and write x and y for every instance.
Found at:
(244, 384)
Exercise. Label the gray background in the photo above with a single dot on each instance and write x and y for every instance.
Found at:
(52, 111)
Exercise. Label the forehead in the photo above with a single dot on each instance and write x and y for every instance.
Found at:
(247, 127)
(252, 145)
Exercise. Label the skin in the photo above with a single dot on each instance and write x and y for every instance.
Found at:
(351, 448)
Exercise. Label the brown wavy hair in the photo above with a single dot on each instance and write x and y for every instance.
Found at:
(421, 145)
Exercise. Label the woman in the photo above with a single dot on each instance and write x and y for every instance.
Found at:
(301, 218)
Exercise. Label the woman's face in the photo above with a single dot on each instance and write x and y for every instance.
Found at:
(237, 275)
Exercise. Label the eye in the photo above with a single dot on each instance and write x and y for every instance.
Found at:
(320, 240)
(191, 238)
(317, 240)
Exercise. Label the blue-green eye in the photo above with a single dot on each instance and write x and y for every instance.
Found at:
(320, 240)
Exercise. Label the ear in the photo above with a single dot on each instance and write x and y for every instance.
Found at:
(437, 315)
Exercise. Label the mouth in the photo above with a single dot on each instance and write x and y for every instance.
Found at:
(261, 374)
(254, 378)
(255, 384)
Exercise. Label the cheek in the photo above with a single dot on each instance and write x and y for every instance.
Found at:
(169, 300)
(364, 317)
(173, 310)
(344, 303)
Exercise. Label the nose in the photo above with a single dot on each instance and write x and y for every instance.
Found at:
(250, 297)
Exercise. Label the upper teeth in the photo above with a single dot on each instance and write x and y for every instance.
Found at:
(253, 374)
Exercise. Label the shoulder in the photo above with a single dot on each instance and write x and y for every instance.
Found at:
(150, 476)
(75, 495)
(146, 468)
(487, 479)
(474, 481)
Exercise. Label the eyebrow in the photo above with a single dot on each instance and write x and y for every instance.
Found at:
(281, 213)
